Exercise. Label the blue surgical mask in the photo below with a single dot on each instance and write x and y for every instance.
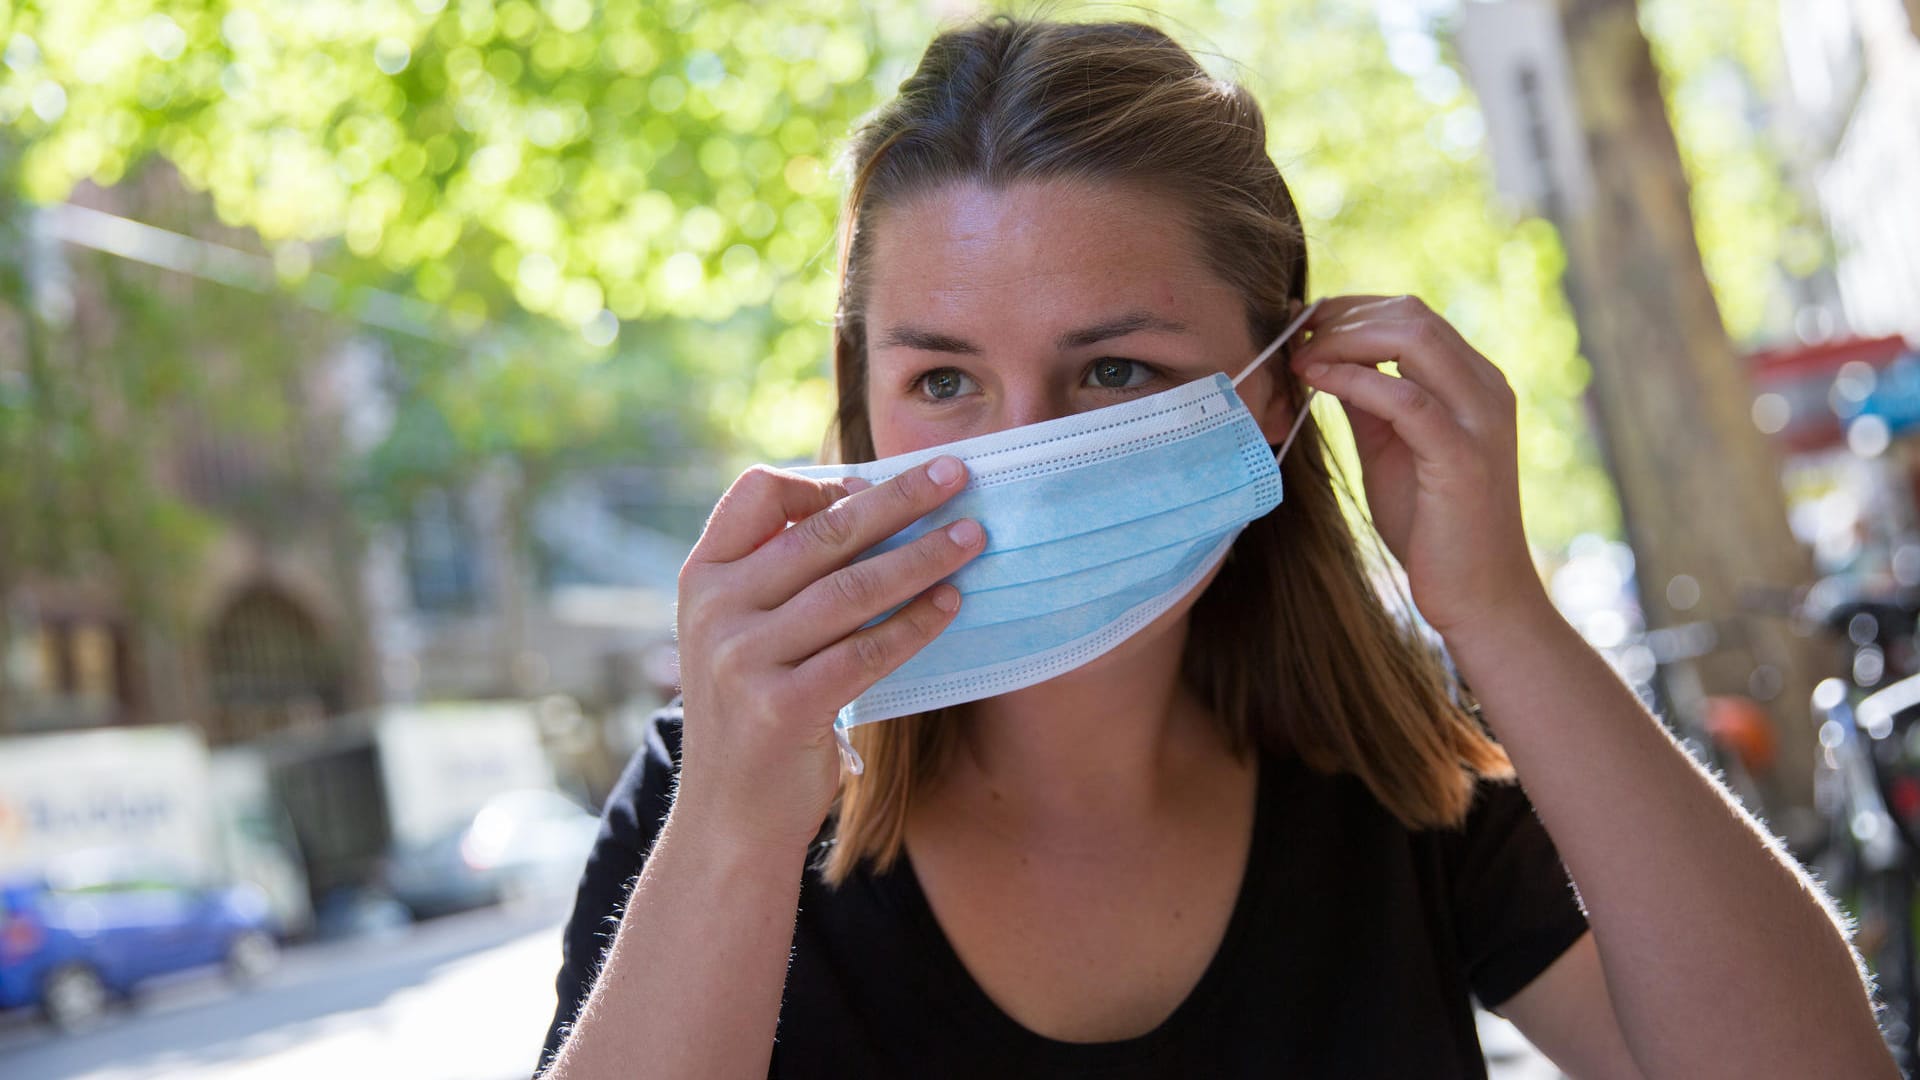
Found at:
(1096, 524)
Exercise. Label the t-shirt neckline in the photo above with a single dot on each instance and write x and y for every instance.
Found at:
(1217, 975)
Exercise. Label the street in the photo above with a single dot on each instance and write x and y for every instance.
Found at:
(465, 997)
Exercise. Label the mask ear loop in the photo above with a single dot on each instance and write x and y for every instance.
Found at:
(849, 757)
(1305, 406)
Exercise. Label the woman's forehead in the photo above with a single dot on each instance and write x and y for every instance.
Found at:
(1037, 253)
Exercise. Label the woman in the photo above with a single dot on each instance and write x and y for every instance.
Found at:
(1257, 837)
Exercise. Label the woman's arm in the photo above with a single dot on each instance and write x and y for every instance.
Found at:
(691, 985)
(1719, 955)
(774, 640)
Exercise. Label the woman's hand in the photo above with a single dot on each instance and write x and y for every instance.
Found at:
(773, 636)
(1437, 453)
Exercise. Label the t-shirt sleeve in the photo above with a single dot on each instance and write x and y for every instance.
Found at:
(636, 808)
(1515, 908)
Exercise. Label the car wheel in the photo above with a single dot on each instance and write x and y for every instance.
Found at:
(73, 997)
(251, 956)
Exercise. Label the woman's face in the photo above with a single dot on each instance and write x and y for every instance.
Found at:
(990, 309)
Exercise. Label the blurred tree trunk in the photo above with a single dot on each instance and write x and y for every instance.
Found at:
(1699, 485)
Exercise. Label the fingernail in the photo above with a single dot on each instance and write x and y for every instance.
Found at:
(946, 471)
(965, 532)
(854, 484)
(946, 598)
(1314, 371)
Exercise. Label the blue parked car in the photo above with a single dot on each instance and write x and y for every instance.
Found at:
(96, 926)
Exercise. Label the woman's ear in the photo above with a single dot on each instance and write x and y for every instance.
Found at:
(1285, 398)
(1285, 395)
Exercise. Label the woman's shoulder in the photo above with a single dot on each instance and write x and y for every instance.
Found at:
(638, 803)
(1495, 878)
(1498, 802)
(1500, 806)
(1500, 834)
(660, 737)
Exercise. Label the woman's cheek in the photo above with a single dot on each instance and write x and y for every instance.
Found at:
(902, 433)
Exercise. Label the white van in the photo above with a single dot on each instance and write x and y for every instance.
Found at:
(151, 789)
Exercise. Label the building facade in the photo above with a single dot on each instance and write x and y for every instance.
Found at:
(1853, 83)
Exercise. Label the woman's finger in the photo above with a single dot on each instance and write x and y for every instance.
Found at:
(1418, 417)
(1425, 348)
(847, 599)
(831, 537)
(757, 507)
(1345, 310)
(1334, 310)
(846, 669)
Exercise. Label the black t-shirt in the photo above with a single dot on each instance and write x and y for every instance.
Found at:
(1353, 949)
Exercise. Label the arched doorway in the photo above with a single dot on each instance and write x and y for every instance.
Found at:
(268, 665)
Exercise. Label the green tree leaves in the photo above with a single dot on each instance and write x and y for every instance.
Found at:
(622, 210)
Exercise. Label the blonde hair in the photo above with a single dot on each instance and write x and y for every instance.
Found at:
(1290, 646)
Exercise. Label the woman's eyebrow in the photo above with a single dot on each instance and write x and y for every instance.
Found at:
(1130, 323)
(928, 341)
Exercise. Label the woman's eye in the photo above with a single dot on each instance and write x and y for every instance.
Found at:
(945, 383)
(1113, 374)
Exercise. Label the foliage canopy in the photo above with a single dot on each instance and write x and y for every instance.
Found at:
(619, 213)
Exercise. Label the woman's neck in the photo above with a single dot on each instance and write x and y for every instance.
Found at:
(1112, 740)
